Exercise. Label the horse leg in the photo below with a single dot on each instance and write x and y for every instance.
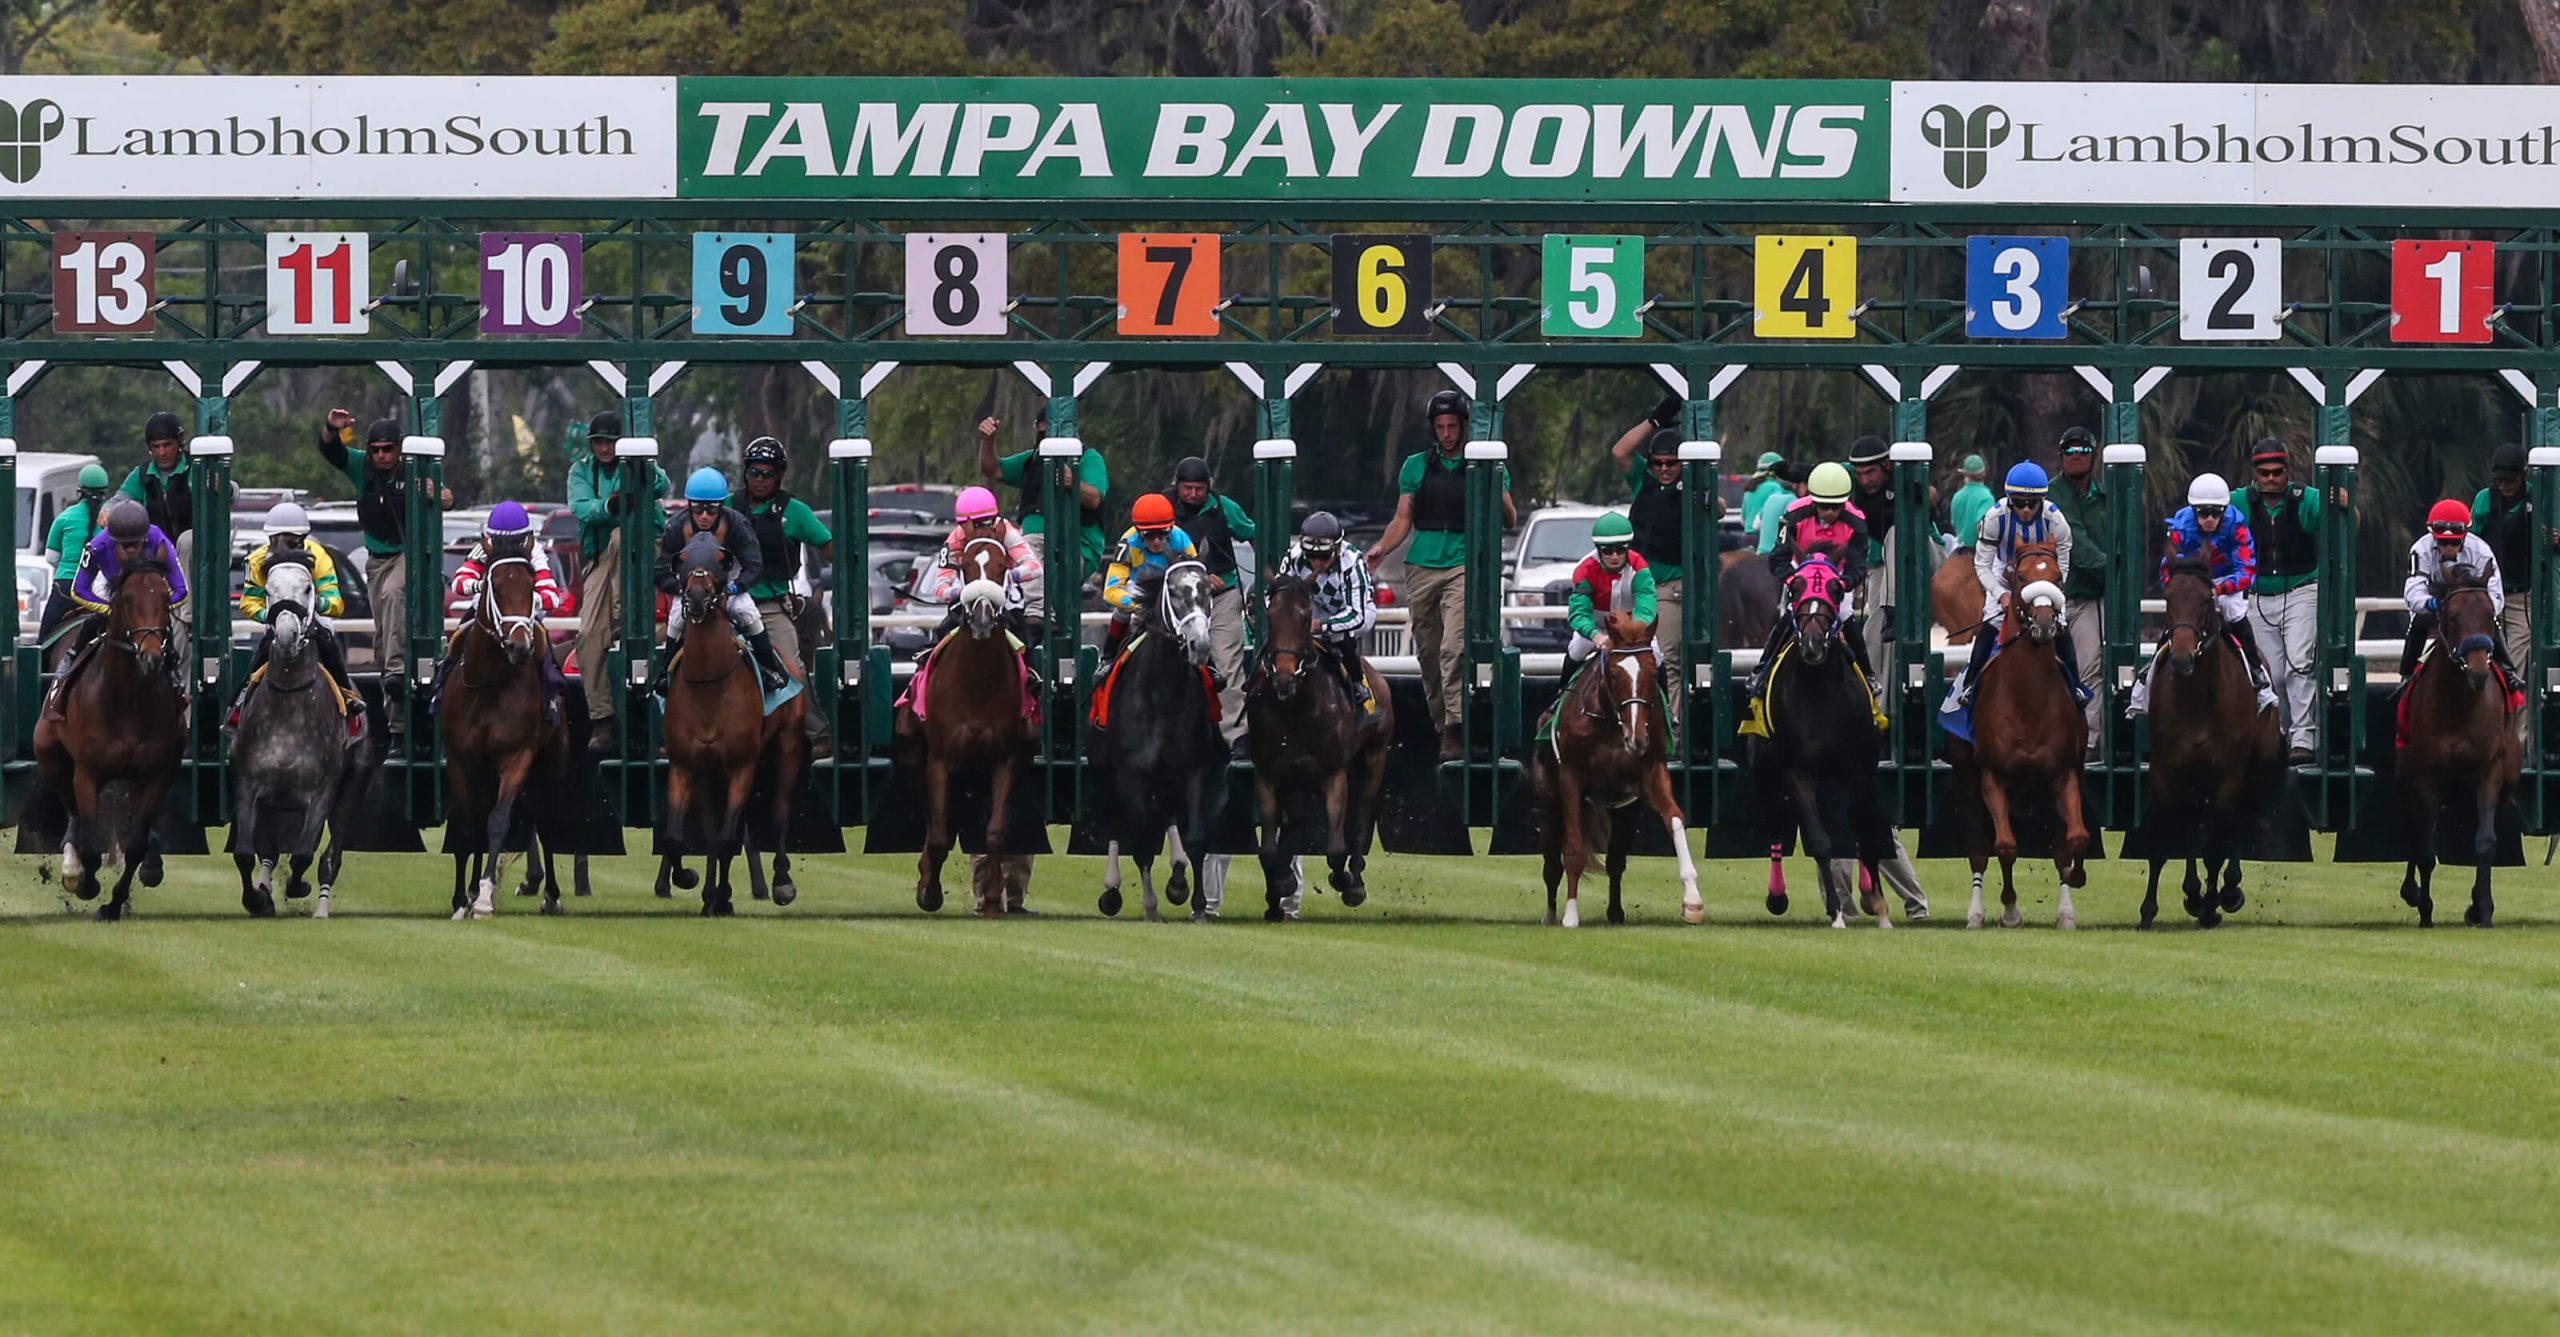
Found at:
(257, 895)
(1622, 837)
(2415, 881)
(81, 856)
(306, 845)
(1973, 914)
(1658, 796)
(742, 782)
(502, 816)
(2008, 892)
(248, 885)
(1577, 856)
(1147, 885)
(332, 857)
(1275, 865)
(1109, 902)
(461, 863)
(2151, 893)
(999, 809)
(1551, 862)
(1777, 877)
(2484, 849)
(1813, 840)
(1177, 882)
(1995, 803)
(2075, 835)
(937, 833)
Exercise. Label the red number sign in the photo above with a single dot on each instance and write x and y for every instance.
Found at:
(2440, 291)
(102, 282)
(1169, 284)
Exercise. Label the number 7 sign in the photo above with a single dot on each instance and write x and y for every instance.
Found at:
(2440, 291)
(1169, 284)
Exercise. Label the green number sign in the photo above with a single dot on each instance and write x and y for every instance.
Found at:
(1592, 288)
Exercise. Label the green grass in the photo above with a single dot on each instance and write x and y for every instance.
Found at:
(1428, 1114)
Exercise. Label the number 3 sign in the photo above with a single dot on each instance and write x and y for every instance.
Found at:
(742, 282)
(955, 283)
(2016, 287)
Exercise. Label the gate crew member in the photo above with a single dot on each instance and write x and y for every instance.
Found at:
(1344, 597)
(1090, 477)
(595, 498)
(1655, 511)
(66, 541)
(783, 523)
(289, 540)
(1214, 521)
(1824, 524)
(2447, 543)
(1966, 508)
(164, 484)
(1871, 470)
(1431, 509)
(2081, 501)
(2284, 607)
(381, 478)
(1612, 579)
(2025, 519)
(2502, 515)
(1764, 521)
(707, 511)
(1764, 479)
(2205, 529)
(1151, 545)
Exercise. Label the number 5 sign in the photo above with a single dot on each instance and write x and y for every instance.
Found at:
(2440, 291)
(318, 282)
(1591, 287)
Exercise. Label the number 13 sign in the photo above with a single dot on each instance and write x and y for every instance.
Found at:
(2440, 291)
(318, 282)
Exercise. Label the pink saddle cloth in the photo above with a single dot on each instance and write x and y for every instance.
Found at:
(913, 698)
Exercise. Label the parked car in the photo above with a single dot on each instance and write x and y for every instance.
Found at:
(47, 482)
(35, 585)
(913, 504)
(1540, 574)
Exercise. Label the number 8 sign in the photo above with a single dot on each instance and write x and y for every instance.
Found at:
(1591, 287)
(955, 283)
(742, 282)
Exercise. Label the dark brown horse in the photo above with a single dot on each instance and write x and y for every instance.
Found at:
(1307, 736)
(1816, 770)
(720, 742)
(1610, 742)
(973, 720)
(497, 743)
(108, 743)
(2460, 732)
(2027, 737)
(2213, 752)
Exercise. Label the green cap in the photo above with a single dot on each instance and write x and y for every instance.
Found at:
(92, 477)
(1612, 528)
(1973, 465)
(1770, 460)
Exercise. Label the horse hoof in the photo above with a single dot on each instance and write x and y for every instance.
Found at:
(928, 899)
(785, 893)
(707, 911)
(665, 893)
(2426, 914)
(259, 905)
(149, 870)
(686, 879)
(551, 905)
(2409, 897)
(1572, 915)
(1973, 921)
(1839, 920)
(2233, 899)
(1693, 912)
(1778, 904)
(110, 913)
(2066, 922)
(724, 908)
(1178, 890)
(461, 913)
(1108, 902)
(2476, 916)
(2210, 919)
(1617, 914)
(320, 907)
(2145, 925)
(2009, 918)
(1154, 915)
(1273, 914)
(525, 889)
(296, 890)
(2196, 906)
(759, 893)
(1354, 895)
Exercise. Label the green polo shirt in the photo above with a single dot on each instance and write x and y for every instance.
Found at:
(2260, 517)
(70, 537)
(1967, 507)
(2086, 513)
(799, 523)
(1437, 549)
(591, 492)
(1090, 471)
(1764, 522)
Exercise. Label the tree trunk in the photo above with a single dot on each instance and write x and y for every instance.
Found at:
(2014, 40)
(2542, 22)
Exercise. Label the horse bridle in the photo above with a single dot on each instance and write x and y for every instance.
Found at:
(130, 640)
(2474, 641)
(1164, 614)
(1608, 660)
(503, 625)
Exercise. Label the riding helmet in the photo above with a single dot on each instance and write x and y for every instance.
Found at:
(1193, 469)
(766, 450)
(2449, 517)
(1661, 443)
(1829, 483)
(1868, 450)
(1446, 403)
(287, 518)
(126, 520)
(975, 503)
(508, 518)
(1152, 512)
(92, 478)
(162, 427)
(2507, 459)
(1612, 528)
(706, 484)
(605, 426)
(2026, 479)
(1321, 529)
(2208, 490)
(2078, 441)
(2268, 451)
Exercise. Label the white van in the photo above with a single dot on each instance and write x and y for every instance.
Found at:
(46, 484)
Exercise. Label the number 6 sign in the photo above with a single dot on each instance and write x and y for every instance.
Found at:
(318, 282)
(2440, 291)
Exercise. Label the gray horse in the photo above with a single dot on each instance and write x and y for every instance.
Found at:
(292, 760)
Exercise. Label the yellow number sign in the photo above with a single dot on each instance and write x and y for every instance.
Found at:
(1804, 287)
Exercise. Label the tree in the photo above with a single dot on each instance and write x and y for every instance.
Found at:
(27, 25)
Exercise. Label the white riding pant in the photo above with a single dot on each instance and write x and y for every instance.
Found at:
(742, 615)
(1583, 647)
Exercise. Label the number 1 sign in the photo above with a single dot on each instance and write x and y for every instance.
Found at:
(531, 282)
(2440, 291)
(318, 283)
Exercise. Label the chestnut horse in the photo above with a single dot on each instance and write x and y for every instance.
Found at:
(2459, 732)
(719, 741)
(2027, 738)
(1955, 597)
(1610, 743)
(973, 696)
(2214, 754)
(109, 742)
(498, 746)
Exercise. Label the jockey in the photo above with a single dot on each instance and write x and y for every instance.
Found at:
(1822, 525)
(128, 540)
(2207, 530)
(981, 517)
(1345, 599)
(2448, 543)
(1151, 545)
(509, 533)
(707, 511)
(288, 540)
(67, 542)
(1613, 579)
(2024, 519)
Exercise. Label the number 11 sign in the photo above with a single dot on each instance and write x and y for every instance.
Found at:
(318, 282)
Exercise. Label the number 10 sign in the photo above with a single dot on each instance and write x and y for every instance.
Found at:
(531, 282)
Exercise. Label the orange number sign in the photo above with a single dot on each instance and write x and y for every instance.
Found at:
(1169, 284)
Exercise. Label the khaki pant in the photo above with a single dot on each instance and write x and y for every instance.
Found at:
(386, 574)
(1436, 600)
(2088, 625)
(1666, 627)
(1013, 869)
(785, 635)
(2515, 627)
(599, 623)
(2287, 629)
(1879, 602)
(1226, 652)
(1035, 593)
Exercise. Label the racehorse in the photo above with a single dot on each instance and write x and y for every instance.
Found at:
(972, 693)
(1955, 597)
(2027, 737)
(1817, 766)
(2214, 754)
(292, 762)
(1306, 735)
(497, 742)
(720, 741)
(1156, 735)
(1747, 598)
(2458, 729)
(109, 743)
(1609, 743)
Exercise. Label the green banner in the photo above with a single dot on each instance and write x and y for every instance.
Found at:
(1282, 139)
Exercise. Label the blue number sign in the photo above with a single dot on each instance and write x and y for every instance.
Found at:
(2015, 287)
(742, 282)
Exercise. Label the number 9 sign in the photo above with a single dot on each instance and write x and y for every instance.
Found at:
(1591, 287)
(2016, 287)
(742, 282)
(956, 283)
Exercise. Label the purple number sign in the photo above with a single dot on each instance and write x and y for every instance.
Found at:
(531, 282)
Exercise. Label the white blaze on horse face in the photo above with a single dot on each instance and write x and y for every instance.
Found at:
(1635, 701)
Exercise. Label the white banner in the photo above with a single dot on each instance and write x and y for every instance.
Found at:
(2289, 144)
(337, 138)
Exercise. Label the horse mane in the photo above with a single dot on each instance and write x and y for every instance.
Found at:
(702, 552)
(2463, 576)
(2191, 566)
(1289, 584)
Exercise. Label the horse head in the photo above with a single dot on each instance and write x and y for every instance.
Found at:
(1181, 607)
(1288, 634)
(289, 597)
(984, 563)
(505, 610)
(2038, 610)
(702, 579)
(1632, 679)
(1813, 596)
(2466, 622)
(2036, 564)
(2193, 620)
(138, 616)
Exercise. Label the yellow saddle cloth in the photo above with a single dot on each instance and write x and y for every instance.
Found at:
(1757, 724)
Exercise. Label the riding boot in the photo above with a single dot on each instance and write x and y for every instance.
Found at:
(1781, 634)
(1355, 675)
(1854, 640)
(661, 663)
(2413, 646)
(2138, 701)
(2247, 640)
(768, 662)
(2070, 657)
(1984, 637)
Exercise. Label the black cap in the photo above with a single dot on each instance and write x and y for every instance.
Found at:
(2268, 451)
(1661, 443)
(1795, 471)
(2077, 440)
(607, 425)
(1446, 402)
(383, 429)
(162, 427)
(2507, 459)
(1192, 469)
(1868, 450)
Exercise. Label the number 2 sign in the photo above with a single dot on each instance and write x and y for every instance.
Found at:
(2440, 291)
(318, 282)
(2230, 288)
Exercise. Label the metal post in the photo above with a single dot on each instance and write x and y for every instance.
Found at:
(216, 676)
(1914, 675)
(858, 673)
(1700, 726)
(1489, 701)
(2342, 677)
(1069, 667)
(17, 691)
(627, 670)
(2120, 632)
(2542, 665)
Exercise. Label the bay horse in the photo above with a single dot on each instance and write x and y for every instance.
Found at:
(292, 761)
(1955, 597)
(1306, 735)
(2214, 754)
(720, 743)
(500, 752)
(2459, 730)
(1817, 766)
(1162, 754)
(972, 690)
(1747, 599)
(1608, 751)
(2027, 739)
(109, 742)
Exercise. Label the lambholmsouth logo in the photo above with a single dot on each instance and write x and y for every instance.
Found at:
(1966, 138)
(23, 135)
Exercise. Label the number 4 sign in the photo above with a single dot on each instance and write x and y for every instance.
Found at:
(1591, 287)
(318, 283)
(1804, 287)
(2440, 291)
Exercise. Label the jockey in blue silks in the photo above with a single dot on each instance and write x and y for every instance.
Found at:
(2024, 519)
(2208, 530)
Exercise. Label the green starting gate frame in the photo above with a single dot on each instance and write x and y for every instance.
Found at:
(1274, 331)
